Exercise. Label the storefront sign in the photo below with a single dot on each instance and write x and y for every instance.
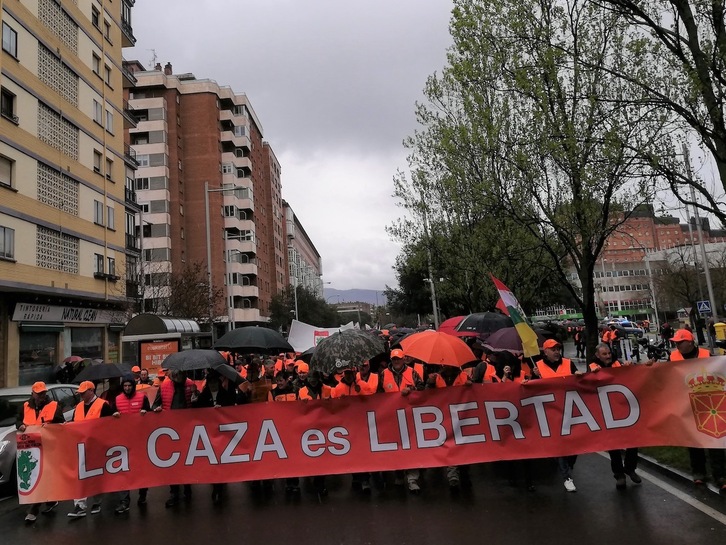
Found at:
(153, 353)
(27, 312)
(680, 404)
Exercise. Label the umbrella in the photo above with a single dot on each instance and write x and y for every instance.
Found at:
(307, 355)
(484, 323)
(73, 359)
(449, 326)
(346, 349)
(228, 372)
(253, 339)
(439, 348)
(102, 371)
(507, 340)
(189, 360)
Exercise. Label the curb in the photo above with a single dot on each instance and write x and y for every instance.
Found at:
(671, 472)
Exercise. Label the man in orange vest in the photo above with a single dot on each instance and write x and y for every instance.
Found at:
(686, 349)
(37, 411)
(553, 365)
(399, 377)
(176, 392)
(604, 359)
(130, 401)
(90, 408)
(447, 377)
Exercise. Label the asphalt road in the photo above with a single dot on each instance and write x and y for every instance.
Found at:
(660, 511)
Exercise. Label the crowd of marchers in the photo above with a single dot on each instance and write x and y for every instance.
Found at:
(265, 379)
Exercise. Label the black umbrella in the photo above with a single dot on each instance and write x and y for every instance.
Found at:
(189, 360)
(228, 372)
(349, 348)
(252, 339)
(102, 371)
(484, 323)
(307, 355)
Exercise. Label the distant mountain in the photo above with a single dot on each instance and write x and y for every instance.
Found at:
(372, 297)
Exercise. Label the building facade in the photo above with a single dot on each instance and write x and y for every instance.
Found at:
(304, 264)
(65, 250)
(209, 190)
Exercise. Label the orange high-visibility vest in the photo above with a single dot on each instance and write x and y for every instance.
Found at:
(490, 375)
(46, 414)
(460, 380)
(304, 392)
(93, 412)
(593, 366)
(372, 381)
(389, 380)
(702, 354)
(564, 370)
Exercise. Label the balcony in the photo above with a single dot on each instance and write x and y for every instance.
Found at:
(130, 196)
(132, 243)
(248, 315)
(127, 33)
(130, 121)
(129, 80)
(130, 156)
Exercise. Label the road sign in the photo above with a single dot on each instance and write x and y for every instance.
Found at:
(704, 307)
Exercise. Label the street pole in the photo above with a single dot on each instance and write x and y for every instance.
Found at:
(295, 293)
(704, 257)
(209, 260)
(652, 290)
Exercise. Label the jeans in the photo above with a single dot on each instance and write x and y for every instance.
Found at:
(566, 463)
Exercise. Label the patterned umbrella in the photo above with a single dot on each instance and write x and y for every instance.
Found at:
(507, 340)
(344, 350)
(252, 339)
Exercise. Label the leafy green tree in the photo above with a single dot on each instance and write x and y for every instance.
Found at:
(529, 125)
(681, 48)
(311, 309)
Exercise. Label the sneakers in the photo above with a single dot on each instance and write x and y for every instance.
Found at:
(122, 508)
(413, 487)
(30, 517)
(570, 485)
(635, 477)
(49, 507)
(77, 512)
(95, 508)
(619, 482)
(454, 482)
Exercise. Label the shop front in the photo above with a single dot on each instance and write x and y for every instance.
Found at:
(45, 335)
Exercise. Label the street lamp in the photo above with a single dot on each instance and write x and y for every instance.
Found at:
(207, 191)
(434, 302)
(295, 294)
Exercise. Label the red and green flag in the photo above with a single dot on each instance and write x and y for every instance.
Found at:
(509, 302)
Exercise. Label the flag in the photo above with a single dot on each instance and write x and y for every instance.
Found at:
(515, 312)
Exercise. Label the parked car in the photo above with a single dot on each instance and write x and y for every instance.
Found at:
(11, 403)
(627, 328)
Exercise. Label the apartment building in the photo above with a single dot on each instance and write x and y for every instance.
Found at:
(637, 251)
(209, 190)
(65, 249)
(304, 264)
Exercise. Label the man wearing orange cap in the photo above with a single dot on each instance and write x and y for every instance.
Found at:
(39, 410)
(302, 369)
(553, 365)
(90, 407)
(686, 349)
(136, 371)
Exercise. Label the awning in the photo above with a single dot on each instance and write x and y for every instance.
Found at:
(151, 324)
(41, 327)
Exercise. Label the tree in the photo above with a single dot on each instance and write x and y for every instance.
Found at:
(684, 45)
(311, 309)
(528, 115)
(191, 297)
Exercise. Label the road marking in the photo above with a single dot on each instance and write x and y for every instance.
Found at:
(690, 500)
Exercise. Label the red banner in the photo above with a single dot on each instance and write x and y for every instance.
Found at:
(680, 403)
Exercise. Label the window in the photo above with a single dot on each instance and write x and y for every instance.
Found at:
(110, 218)
(143, 160)
(227, 168)
(111, 266)
(95, 17)
(142, 183)
(109, 169)
(144, 207)
(10, 40)
(107, 30)
(7, 242)
(107, 74)
(97, 161)
(98, 264)
(7, 105)
(109, 121)
(97, 112)
(6, 171)
(96, 65)
(98, 212)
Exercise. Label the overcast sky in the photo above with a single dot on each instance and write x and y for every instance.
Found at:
(334, 84)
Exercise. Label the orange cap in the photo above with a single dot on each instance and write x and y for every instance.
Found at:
(397, 353)
(551, 343)
(136, 369)
(682, 335)
(39, 387)
(85, 386)
(302, 367)
(290, 363)
(161, 373)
